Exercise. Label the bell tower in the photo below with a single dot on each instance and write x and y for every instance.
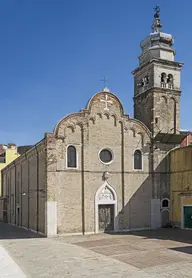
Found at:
(157, 82)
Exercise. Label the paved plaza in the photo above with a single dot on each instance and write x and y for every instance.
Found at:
(158, 254)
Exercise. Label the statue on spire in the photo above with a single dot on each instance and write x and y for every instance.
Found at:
(156, 27)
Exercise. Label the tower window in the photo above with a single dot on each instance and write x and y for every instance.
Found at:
(71, 157)
(137, 160)
(163, 77)
(156, 120)
(170, 81)
(144, 81)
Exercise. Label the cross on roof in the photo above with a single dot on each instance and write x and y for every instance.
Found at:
(104, 81)
(106, 101)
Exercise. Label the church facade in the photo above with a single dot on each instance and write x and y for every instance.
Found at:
(100, 170)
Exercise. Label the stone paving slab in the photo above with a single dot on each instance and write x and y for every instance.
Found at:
(113, 250)
(145, 252)
(49, 258)
(142, 255)
(8, 268)
(149, 259)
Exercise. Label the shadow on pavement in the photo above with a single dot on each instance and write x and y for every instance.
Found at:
(184, 236)
(12, 232)
(185, 249)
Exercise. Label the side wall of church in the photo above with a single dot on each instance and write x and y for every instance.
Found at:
(24, 185)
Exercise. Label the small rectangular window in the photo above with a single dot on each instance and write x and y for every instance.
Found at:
(3, 157)
(156, 120)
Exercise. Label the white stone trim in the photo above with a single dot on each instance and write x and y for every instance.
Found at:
(136, 229)
(106, 202)
(182, 211)
(112, 153)
(77, 157)
(75, 234)
(51, 218)
(70, 234)
(167, 209)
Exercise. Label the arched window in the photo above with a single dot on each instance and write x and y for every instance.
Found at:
(163, 80)
(146, 80)
(71, 157)
(137, 160)
(170, 81)
(165, 203)
(163, 77)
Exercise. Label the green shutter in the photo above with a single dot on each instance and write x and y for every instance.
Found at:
(188, 217)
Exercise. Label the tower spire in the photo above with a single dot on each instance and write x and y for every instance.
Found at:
(156, 27)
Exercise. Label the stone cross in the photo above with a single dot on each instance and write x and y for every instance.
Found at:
(106, 101)
(104, 81)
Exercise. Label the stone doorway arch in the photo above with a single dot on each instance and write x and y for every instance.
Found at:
(106, 203)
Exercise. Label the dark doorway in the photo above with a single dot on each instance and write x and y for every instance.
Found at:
(106, 217)
(18, 217)
(5, 218)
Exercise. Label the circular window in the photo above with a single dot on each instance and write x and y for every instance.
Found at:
(106, 156)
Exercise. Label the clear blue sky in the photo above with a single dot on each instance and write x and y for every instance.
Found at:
(53, 54)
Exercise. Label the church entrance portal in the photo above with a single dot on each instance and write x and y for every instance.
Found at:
(106, 209)
(106, 217)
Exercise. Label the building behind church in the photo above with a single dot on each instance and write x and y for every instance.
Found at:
(100, 170)
(181, 187)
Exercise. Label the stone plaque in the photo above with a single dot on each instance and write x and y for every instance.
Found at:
(106, 195)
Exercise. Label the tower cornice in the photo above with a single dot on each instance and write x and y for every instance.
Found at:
(158, 61)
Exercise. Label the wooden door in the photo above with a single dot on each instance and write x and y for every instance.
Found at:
(106, 217)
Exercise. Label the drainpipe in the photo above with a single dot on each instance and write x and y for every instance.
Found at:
(122, 167)
(10, 201)
(152, 151)
(15, 200)
(83, 181)
(21, 177)
(28, 188)
(37, 188)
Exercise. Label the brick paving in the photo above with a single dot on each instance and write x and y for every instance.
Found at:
(146, 249)
(158, 254)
